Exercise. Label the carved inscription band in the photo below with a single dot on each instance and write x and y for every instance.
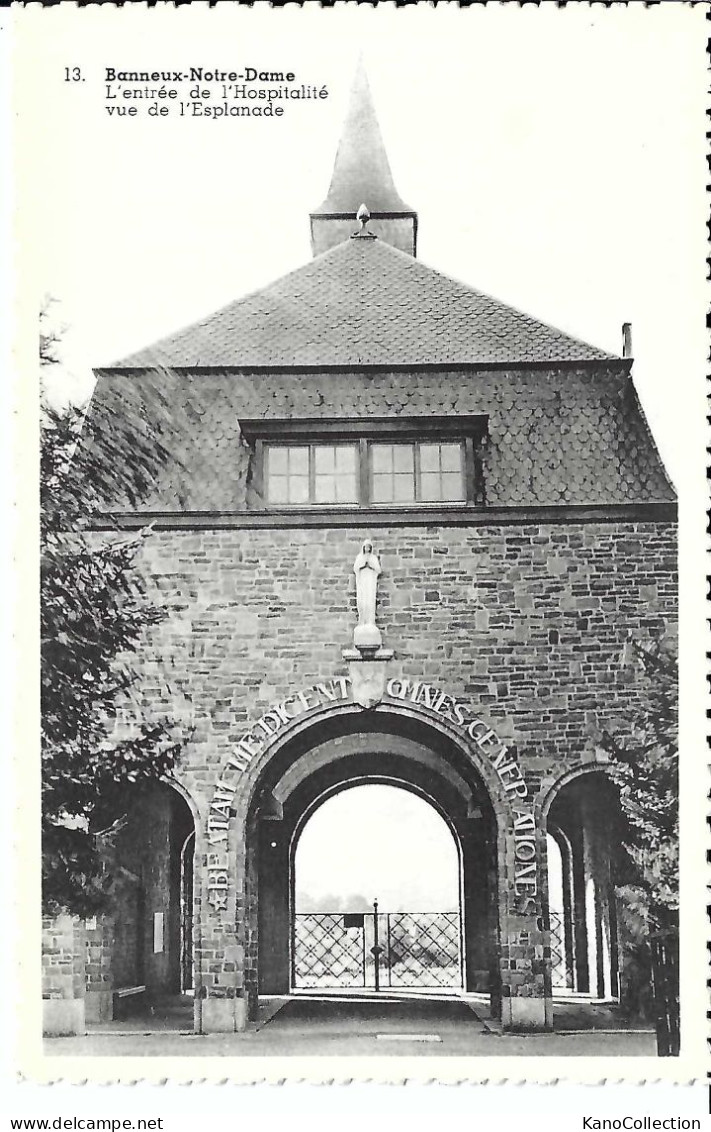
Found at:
(279, 717)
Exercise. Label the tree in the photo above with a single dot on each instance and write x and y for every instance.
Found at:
(95, 610)
(645, 766)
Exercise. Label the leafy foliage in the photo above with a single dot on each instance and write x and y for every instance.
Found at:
(645, 765)
(95, 611)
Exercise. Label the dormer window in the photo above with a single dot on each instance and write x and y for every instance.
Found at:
(297, 475)
(378, 464)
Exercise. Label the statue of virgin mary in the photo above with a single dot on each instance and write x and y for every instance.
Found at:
(367, 570)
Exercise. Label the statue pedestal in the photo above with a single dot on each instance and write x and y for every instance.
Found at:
(367, 637)
(368, 671)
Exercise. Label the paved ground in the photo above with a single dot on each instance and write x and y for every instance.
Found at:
(309, 1027)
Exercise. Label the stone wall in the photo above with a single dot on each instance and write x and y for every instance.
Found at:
(524, 623)
(63, 977)
(527, 622)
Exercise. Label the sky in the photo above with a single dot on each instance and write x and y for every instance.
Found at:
(377, 842)
(555, 158)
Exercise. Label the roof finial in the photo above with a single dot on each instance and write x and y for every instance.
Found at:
(363, 216)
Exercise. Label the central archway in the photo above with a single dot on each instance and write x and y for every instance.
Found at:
(376, 892)
(338, 755)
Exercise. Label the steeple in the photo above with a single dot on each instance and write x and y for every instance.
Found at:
(361, 175)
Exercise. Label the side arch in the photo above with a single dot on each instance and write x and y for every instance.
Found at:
(581, 810)
(589, 766)
(190, 890)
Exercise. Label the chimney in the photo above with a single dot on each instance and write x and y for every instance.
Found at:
(626, 339)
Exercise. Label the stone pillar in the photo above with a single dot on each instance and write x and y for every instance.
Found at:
(220, 953)
(99, 980)
(479, 910)
(527, 1002)
(274, 918)
(63, 976)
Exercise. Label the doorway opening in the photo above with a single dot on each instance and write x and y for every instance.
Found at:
(385, 854)
(376, 893)
(150, 967)
(583, 847)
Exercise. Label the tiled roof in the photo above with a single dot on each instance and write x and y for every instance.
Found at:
(570, 436)
(364, 303)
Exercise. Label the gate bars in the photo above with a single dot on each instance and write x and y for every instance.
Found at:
(375, 949)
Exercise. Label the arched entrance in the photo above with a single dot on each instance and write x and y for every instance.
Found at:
(150, 968)
(376, 893)
(583, 848)
(337, 756)
(321, 739)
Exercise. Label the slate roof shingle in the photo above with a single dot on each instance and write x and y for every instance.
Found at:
(555, 437)
(364, 303)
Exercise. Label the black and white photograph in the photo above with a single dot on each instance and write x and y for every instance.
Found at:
(371, 480)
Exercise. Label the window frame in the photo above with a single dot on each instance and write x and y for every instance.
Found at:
(469, 431)
(416, 445)
(310, 446)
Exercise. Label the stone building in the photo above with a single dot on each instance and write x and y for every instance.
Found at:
(506, 478)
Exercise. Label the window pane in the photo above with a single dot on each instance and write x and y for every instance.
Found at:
(382, 457)
(382, 489)
(346, 458)
(393, 473)
(429, 457)
(451, 458)
(403, 457)
(325, 459)
(277, 461)
(430, 486)
(299, 461)
(452, 487)
(346, 491)
(335, 473)
(404, 489)
(278, 489)
(325, 488)
(298, 489)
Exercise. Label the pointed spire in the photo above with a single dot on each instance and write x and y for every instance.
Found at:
(362, 170)
(362, 173)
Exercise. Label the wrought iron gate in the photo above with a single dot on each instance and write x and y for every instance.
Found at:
(328, 951)
(376, 950)
(558, 964)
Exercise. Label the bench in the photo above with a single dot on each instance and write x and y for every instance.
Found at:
(125, 998)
